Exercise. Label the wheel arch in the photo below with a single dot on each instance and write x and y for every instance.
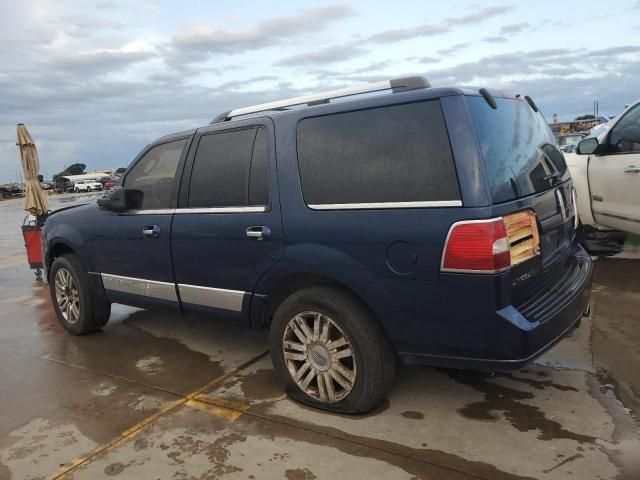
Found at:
(57, 249)
(265, 306)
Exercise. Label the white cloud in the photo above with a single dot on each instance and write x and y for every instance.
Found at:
(95, 82)
(203, 37)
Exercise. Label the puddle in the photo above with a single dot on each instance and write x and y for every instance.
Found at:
(499, 399)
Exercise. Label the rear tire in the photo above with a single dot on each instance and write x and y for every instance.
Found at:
(88, 189)
(330, 352)
(79, 309)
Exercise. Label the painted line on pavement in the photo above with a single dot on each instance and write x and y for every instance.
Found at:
(140, 426)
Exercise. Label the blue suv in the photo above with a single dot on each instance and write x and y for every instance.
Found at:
(360, 226)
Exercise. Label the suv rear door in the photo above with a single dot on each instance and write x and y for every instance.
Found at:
(525, 170)
(523, 162)
(227, 230)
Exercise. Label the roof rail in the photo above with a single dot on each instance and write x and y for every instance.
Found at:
(395, 85)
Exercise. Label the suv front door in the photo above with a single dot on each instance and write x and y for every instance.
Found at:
(614, 176)
(227, 230)
(132, 249)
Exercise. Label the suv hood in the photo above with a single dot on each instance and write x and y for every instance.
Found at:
(75, 205)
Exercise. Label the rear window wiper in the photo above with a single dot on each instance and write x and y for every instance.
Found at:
(553, 177)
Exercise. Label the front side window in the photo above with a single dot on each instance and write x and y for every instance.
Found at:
(154, 175)
(625, 136)
(230, 169)
(399, 153)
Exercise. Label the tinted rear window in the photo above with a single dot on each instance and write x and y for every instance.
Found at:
(399, 153)
(231, 169)
(517, 146)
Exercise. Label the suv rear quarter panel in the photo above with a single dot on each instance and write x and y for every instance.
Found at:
(353, 247)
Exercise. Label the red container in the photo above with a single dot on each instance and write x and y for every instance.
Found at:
(33, 242)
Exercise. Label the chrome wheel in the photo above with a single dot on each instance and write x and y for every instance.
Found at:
(67, 296)
(319, 357)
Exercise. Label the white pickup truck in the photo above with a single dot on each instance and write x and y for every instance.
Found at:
(606, 175)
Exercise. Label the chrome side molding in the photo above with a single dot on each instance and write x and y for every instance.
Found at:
(362, 206)
(139, 286)
(196, 295)
(212, 297)
(171, 211)
(254, 209)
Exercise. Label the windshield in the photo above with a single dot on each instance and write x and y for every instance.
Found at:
(520, 152)
(569, 139)
(598, 129)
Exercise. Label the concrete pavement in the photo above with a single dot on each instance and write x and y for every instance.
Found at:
(157, 395)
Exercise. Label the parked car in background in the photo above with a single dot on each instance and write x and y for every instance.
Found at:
(46, 185)
(86, 186)
(62, 186)
(112, 182)
(11, 190)
(606, 174)
(568, 141)
(434, 225)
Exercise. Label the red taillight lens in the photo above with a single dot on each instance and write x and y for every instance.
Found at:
(478, 246)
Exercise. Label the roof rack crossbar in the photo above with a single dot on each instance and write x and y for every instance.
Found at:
(396, 85)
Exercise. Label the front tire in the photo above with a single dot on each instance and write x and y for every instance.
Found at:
(79, 309)
(330, 352)
(88, 189)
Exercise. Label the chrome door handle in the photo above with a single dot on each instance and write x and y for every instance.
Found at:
(632, 169)
(258, 233)
(152, 231)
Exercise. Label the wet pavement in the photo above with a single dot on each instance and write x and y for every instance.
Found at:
(159, 396)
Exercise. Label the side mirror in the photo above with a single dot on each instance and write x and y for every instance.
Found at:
(587, 146)
(120, 199)
(114, 201)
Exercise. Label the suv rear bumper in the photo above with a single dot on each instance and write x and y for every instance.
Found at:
(527, 331)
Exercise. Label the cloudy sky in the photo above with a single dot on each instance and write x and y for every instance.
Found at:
(96, 81)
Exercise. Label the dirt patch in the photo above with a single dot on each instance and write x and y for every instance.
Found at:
(413, 415)
(299, 474)
(216, 452)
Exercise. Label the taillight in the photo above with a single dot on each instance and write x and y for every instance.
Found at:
(491, 246)
(477, 246)
(523, 235)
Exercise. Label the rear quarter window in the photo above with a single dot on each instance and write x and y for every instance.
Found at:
(399, 153)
